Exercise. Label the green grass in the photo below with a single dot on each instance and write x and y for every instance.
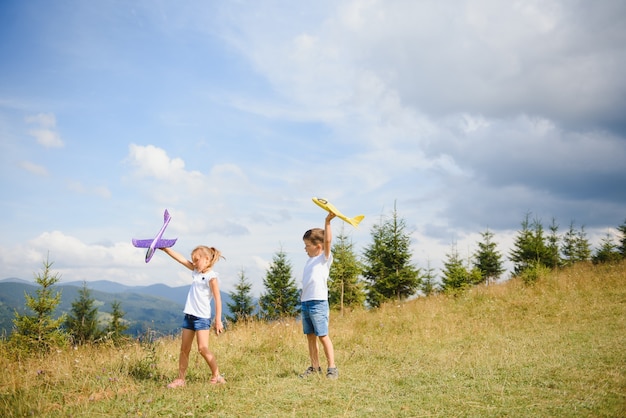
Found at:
(556, 348)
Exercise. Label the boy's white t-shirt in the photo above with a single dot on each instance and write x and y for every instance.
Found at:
(315, 278)
(200, 296)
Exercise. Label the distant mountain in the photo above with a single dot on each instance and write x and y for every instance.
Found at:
(156, 308)
(175, 294)
(15, 280)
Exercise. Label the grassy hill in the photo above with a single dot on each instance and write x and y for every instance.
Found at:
(553, 349)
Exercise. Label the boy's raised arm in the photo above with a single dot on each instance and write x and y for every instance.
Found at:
(328, 234)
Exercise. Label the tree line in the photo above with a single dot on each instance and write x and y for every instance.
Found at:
(384, 272)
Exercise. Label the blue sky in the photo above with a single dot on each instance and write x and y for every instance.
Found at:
(232, 115)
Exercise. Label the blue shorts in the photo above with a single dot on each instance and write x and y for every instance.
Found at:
(315, 317)
(196, 324)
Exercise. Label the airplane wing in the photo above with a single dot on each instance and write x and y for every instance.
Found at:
(142, 243)
(326, 205)
(161, 243)
(165, 243)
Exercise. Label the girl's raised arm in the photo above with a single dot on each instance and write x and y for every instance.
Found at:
(178, 257)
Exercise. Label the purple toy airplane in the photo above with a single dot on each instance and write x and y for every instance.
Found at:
(157, 242)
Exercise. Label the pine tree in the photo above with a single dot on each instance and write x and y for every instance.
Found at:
(428, 284)
(40, 332)
(117, 326)
(622, 241)
(81, 322)
(521, 251)
(388, 268)
(487, 259)
(282, 296)
(576, 246)
(529, 249)
(607, 252)
(455, 275)
(569, 246)
(583, 248)
(554, 257)
(344, 287)
(242, 307)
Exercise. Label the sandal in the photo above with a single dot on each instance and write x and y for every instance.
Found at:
(176, 384)
(217, 380)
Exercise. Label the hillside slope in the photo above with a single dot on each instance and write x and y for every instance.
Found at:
(552, 349)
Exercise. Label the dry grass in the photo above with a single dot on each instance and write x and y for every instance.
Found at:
(552, 349)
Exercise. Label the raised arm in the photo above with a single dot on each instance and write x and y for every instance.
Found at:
(178, 257)
(328, 234)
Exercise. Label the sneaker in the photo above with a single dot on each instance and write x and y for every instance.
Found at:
(176, 384)
(332, 373)
(310, 371)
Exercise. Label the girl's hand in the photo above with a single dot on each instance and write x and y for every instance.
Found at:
(219, 327)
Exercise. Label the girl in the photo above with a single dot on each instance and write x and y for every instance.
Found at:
(197, 322)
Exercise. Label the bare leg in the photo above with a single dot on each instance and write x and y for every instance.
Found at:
(185, 348)
(203, 348)
(328, 350)
(313, 350)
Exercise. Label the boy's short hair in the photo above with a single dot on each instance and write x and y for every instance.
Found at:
(315, 236)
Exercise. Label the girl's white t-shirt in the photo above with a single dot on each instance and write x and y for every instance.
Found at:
(315, 278)
(200, 296)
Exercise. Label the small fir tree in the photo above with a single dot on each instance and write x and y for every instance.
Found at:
(40, 332)
(621, 248)
(458, 276)
(607, 252)
(569, 245)
(529, 248)
(344, 287)
(583, 248)
(388, 269)
(428, 284)
(487, 259)
(282, 297)
(82, 322)
(116, 327)
(521, 252)
(241, 308)
(454, 274)
(554, 257)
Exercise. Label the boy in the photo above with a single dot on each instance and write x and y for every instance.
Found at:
(315, 309)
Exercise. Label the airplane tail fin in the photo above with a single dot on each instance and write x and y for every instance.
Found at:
(356, 220)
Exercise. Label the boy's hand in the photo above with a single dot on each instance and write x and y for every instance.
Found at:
(330, 216)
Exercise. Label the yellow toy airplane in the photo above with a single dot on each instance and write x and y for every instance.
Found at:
(326, 205)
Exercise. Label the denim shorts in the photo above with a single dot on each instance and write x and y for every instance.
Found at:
(315, 317)
(196, 324)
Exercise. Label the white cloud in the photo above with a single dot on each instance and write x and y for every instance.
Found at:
(46, 133)
(34, 168)
(45, 120)
(47, 138)
(78, 187)
(154, 162)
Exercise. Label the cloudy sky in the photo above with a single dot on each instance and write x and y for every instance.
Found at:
(464, 114)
